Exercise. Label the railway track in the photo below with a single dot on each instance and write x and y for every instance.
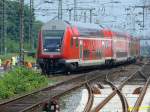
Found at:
(121, 96)
(90, 99)
(117, 90)
(141, 96)
(128, 70)
(34, 102)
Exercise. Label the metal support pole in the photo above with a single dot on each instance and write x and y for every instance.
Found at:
(31, 38)
(85, 17)
(143, 16)
(1, 42)
(60, 10)
(70, 14)
(21, 31)
(30, 23)
(75, 10)
(3, 26)
(90, 15)
(5, 32)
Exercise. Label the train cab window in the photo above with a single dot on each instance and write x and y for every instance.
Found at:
(52, 40)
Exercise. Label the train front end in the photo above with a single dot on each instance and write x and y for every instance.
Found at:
(49, 54)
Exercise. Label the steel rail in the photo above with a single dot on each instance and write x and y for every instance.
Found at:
(36, 91)
(121, 96)
(141, 97)
(90, 99)
(142, 75)
(28, 106)
(110, 96)
(32, 102)
(81, 78)
(38, 104)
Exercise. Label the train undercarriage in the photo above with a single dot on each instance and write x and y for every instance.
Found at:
(52, 66)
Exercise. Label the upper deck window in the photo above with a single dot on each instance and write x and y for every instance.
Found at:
(90, 32)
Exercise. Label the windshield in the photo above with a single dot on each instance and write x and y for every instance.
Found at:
(52, 40)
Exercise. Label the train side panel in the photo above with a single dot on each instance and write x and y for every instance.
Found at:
(95, 50)
(91, 51)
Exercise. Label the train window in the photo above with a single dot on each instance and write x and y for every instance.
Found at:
(86, 53)
(71, 42)
(77, 43)
(99, 54)
(103, 44)
(106, 44)
(88, 32)
(93, 44)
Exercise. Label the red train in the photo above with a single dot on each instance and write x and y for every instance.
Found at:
(66, 46)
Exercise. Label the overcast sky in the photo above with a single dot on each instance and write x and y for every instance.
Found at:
(121, 15)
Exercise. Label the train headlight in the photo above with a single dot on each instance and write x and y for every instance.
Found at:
(45, 49)
(58, 49)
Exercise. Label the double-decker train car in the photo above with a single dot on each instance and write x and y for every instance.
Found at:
(66, 46)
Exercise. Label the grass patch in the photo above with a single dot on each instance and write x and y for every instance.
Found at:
(20, 80)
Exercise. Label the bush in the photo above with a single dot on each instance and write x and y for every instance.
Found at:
(20, 80)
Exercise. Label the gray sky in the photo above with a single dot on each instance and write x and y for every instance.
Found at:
(121, 16)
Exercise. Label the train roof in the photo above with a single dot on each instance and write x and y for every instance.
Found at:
(54, 24)
(84, 28)
(61, 25)
(85, 25)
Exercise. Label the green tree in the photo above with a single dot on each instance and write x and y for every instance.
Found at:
(12, 25)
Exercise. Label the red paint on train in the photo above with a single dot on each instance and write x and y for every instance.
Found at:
(66, 45)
